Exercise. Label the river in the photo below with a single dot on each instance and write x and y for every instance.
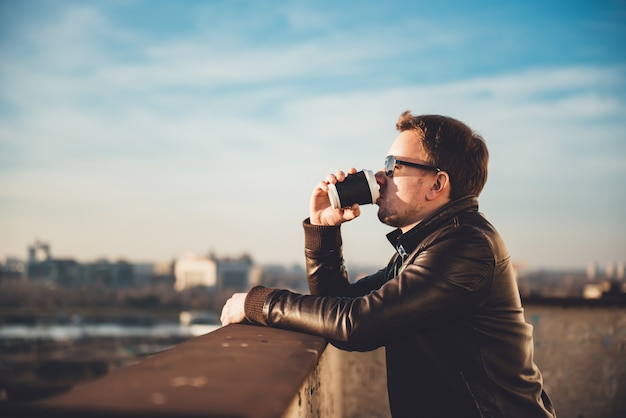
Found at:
(40, 359)
(62, 332)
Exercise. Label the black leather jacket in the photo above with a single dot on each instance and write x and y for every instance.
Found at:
(446, 308)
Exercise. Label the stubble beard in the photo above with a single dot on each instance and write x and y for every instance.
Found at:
(388, 218)
(397, 218)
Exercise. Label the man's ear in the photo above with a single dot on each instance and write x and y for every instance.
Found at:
(440, 187)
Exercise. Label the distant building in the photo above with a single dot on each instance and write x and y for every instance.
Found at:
(284, 277)
(619, 270)
(615, 271)
(592, 271)
(218, 274)
(39, 252)
(41, 266)
(234, 273)
(591, 283)
(13, 268)
(192, 272)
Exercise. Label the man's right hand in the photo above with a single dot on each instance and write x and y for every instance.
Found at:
(234, 310)
(321, 211)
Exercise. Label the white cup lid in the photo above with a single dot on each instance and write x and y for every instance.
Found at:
(371, 181)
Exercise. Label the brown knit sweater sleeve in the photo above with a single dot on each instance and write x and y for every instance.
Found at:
(318, 238)
(255, 301)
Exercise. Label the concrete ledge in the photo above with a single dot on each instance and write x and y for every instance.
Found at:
(236, 371)
(618, 301)
(249, 371)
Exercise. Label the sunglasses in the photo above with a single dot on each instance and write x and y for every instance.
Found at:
(391, 162)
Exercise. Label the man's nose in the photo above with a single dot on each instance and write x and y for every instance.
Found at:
(380, 177)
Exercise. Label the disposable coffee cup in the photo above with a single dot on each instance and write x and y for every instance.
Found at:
(360, 187)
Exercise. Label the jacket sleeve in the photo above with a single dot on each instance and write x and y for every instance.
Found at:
(326, 272)
(448, 276)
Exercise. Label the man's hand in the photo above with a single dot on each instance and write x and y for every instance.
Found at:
(233, 311)
(320, 210)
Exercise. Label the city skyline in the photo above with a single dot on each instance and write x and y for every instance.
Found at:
(41, 251)
(146, 130)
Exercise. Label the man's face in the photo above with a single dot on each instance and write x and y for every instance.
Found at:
(402, 203)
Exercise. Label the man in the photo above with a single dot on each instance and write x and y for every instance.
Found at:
(446, 307)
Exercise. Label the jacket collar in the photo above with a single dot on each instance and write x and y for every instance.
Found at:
(406, 243)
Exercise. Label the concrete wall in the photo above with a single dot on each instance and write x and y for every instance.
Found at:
(257, 372)
(581, 351)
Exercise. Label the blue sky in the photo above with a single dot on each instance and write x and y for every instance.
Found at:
(146, 130)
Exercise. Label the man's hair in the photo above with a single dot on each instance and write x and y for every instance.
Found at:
(454, 148)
